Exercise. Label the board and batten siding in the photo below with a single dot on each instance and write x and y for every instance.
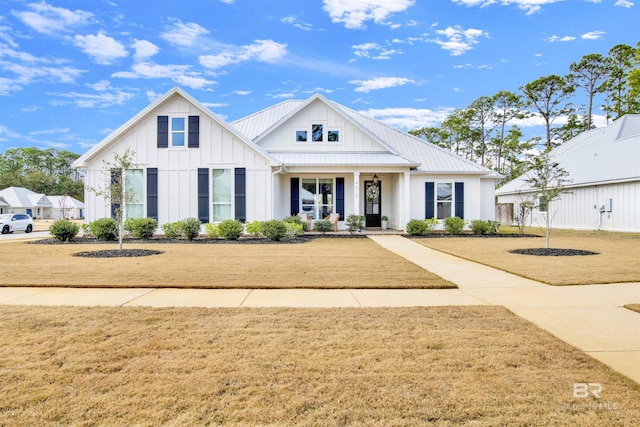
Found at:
(579, 208)
(177, 167)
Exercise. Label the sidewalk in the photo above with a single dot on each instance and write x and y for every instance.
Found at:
(588, 317)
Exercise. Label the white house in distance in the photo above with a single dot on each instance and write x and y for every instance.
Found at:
(39, 206)
(604, 166)
(312, 156)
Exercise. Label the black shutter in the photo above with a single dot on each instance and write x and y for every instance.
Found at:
(295, 196)
(163, 131)
(340, 197)
(429, 200)
(194, 132)
(241, 194)
(203, 194)
(152, 193)
(116, 191)
(459, 199)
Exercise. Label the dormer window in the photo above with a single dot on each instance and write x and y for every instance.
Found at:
(316, 133)
(319, 133)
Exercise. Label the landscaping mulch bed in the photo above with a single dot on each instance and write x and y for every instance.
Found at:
(466, 235)
(552, 252)
(116, 253)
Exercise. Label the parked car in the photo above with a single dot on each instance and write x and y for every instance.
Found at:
(16, 222)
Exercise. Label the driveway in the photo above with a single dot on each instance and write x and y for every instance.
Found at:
(20, 235)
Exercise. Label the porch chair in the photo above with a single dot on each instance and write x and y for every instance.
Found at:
(306, 218)
(334, 218)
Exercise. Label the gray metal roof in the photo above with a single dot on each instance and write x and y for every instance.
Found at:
(601, 155)
(19, 197)
(402, 147)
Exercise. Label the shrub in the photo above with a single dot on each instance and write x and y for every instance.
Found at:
(454, 225)
(230, 229)
(211, 230)
(354, 223)
(479, 226)
(431, 223)
(171, 230)
(293, 230)
(255, 228)
(416, 227)
(86, 230)
(143, 228)
(322, 226)
(494, 227)
(295, 219)
(104, 229)
(64, 230)
(274, 229)
(189, 228)
(128, 225)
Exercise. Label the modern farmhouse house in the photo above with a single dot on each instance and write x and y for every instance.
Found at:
(604, 169)
(313, 156)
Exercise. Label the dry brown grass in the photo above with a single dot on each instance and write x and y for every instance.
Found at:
(386, 367)
(634, 307)
(321, 263)
(616, 262)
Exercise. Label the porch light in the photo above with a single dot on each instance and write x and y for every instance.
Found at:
(375, 178)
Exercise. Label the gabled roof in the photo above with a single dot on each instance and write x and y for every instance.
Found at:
(3, 202)
(66, 202)
(603, 155)
(403, 148)
(19, 197)
(142, 115)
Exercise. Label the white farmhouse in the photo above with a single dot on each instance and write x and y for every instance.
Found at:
(604, 169)
(313, 156)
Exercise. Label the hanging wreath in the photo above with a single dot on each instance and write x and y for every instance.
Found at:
(373, 192)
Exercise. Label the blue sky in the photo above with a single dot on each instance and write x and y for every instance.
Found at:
(73, 71)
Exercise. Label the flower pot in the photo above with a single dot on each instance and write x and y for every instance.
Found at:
(384, 224)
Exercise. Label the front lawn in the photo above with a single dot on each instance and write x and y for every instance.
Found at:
(477, 365)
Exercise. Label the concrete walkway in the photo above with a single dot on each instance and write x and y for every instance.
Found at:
(588, 317)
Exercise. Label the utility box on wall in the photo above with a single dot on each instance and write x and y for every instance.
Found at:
(608, 204)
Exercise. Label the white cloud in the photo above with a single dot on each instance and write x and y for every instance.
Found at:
(27, 74)
(103, 49)
(49, 131)
(409, 118)
(259, 50)
(305, 26)
(624, 3)
(179, 74)
(379, 83)
(554, 39)
(184, 34)
(100, 86)
(48, 19)
(373, 51)
(459, 40)
(144, 49)
(593, 35)
(242, 92)
(85, 100)
(529, 6)
(354, 13)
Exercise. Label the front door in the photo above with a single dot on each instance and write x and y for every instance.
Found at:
(372, 203)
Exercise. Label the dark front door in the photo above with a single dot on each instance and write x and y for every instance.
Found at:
(372, 203)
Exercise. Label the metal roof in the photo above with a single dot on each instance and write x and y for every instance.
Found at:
(601, 155)
(403, 148)
(19, 197)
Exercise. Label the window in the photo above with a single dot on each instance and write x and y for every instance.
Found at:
(177, 131)
(333, 136)
(301, 136)
(316, 133)
(221, 186)
(317, 197)
(543, 206)
(444, 199)
(134, 193)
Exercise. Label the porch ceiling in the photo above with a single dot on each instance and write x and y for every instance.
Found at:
(290, 158)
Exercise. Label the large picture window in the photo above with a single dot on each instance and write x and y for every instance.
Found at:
(221, 189)
(134, 193)
(444, 200)
(317, 197)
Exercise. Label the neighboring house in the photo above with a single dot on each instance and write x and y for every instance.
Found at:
(4, 206)
(604, 166)
(65, 207)
(312, 156)
(21, 200)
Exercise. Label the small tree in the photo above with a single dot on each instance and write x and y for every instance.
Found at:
(524, 203)
(116, 192)
(547, 179)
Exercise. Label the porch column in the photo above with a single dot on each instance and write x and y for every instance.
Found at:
(407, 199)
(356, 193)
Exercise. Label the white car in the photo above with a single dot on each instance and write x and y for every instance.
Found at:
(15, 222)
